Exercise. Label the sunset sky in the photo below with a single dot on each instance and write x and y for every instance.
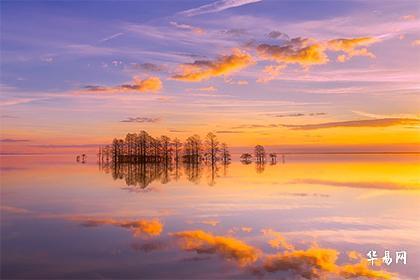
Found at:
(302, 74)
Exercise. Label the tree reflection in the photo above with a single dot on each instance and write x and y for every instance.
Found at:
(138, 176)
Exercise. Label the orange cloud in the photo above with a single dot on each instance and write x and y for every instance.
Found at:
(416, 42)
(279, 241)
(307, 52)
(211, 222)
(227, 247)
(317, 262)
(151, 84)
(270, 72)
(138, 228)
(351, 47)
(409, 17)
(205, 69)
(303, 51)
(358, 123)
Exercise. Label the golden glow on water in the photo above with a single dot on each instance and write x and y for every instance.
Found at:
(300, 217)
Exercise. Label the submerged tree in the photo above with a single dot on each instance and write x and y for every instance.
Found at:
(273, 157)
(259, 153)
(212, 148)
(246, 158)
(225, 154)
(177, 148)
(193, 150)
(143, 148)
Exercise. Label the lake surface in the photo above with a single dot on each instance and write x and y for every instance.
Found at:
(311, 216)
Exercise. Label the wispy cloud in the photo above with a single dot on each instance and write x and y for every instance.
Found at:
(358, 184)
(10, 140)
(227, 247)
(187, 27)
(150, 84)
(17, 101)
(217, 6)
(298, 115)
(358, 123)
(205, 69)
(113, 36)
(141, 120)
(228, 131)
(138, 228)
(147, 66)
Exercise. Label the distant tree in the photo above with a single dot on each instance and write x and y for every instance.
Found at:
(212, 147)
(166, 146)
(193, 149)
(177, 147)
(246, 158)
(273, 157)
(225, 154)
(259, 153)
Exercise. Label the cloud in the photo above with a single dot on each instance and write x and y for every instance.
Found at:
(14, 210)
(298, 115)
(205, 69)
(409, 17)
(358, 123)
(8, 117)
(316, 262)
(147, 66)
(362, 185)
(312, 263)
(303, 51)
(141, 120)
(229, 248)
(193, 29)
(217, 6)
(11, 140)
(207, 89)
(211, 222)
(307, 51)
(17, 101)
(229, 131)
(246, 229)
(416, 42)
(351, 47)
(236, 32)
(149, 246)
(113, 36)
(233, 82)
(151, 84)
(270, 72)
(279, 242)
(138, 228)
(277, 34)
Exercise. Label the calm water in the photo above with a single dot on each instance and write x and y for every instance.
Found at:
(300, 218)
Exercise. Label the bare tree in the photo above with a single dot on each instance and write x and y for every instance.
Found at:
(193, 149)
(212, 147)
(273, 157)
(177, 145)
(225, 154)
(166, 146)
(246, 158)
(259, 153)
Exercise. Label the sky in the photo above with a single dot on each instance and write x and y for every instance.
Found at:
(321, 75)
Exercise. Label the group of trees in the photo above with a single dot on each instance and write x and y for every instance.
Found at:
(143, 148)
(260, 156)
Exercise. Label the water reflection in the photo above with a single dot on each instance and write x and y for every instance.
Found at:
(138, 176)
(310, 218)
